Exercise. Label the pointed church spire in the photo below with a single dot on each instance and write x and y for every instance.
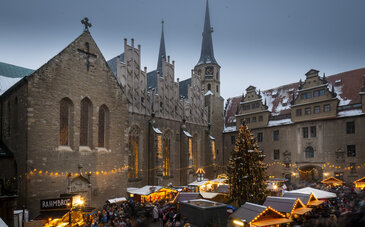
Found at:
(207, 53)
(162, 52)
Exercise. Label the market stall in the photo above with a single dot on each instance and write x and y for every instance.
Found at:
(360, 183)
(250, 214)
(290, 206)
(320, 194)
(333, 181)
(307, 199)
(151, 194)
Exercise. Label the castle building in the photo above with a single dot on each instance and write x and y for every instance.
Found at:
(309, 130)
(81, 124)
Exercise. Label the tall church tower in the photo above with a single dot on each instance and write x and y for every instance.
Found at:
(209, 72)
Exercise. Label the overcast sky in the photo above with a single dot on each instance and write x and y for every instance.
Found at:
(265, 43)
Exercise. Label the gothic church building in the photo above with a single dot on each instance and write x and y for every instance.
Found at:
(81, 124)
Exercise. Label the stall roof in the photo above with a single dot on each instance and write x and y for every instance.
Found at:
(272, 222)
(117, 200)
(320, 194)
(146, 190)
(332, 180)
(307, 199)
(283, 204)
(185, 196)
(222, 188)
(359, 180)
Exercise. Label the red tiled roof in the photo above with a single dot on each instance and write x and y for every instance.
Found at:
(278, 99)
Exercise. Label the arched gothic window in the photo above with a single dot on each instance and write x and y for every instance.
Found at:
(133, 147)
(103, 127)
(309, 152)
(195, 151)
(65, 121)
(86, 123)
(166, 163)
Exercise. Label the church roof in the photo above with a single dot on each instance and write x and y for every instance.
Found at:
(113, 63)
(347, 86)
(13, 71)
(183, 87)
(207, 53)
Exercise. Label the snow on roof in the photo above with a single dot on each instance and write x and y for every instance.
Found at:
(348, 113)
(187, 133)
(347, 93)
(7, 82)
(279, 122)
(209, 92)
(230, 129)
(146, 190)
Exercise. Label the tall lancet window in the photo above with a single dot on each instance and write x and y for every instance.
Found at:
(65, 121)
(133, 156)
(8, 119)
(195, 151)
(166, 164)
(214, 155)
(86, 123)
(15, 115)
(103, 127)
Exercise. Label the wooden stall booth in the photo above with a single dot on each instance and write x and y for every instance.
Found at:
(360, 183)
(151, 194)
(333, 181)
(289, 206)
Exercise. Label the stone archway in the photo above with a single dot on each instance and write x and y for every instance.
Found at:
(310, 173)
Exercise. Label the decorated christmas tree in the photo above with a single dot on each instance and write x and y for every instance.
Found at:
(245, 170)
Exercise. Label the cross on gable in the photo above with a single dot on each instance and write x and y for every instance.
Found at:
(86, 23)
(87, 55)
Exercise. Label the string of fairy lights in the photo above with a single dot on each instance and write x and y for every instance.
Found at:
(125, 168)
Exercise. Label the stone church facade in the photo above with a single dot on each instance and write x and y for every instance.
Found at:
(80, 124)
(309, 130)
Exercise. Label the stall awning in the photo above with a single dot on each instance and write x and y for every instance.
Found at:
(208, 195)
(45, 215)
(302, 211)
(315, 203)
(272, 221)
(198, 183)
(157, 130)
(211, 137)
(187, 134)
(117, 200)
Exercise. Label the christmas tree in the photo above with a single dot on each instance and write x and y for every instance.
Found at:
(246, 172)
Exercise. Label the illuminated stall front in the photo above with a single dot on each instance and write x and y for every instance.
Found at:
(360, 183)
(332, 181)
(250, 214)
(151, 194)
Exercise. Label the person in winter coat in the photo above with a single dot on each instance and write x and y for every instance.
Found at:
(155, 213)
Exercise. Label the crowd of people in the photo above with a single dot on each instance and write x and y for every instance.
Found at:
(131, 214)
(347, 209)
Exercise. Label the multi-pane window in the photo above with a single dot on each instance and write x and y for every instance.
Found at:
(166, 165)
(247, 120)
(317, 109)
(326, 108)
(276, 154)
(303, 96)
(260, 137)
(298, 112)
(321, 92)
(246, 107)
(305, 132)
(275, 134)
(315, 93)
(339, 175)
(233, 139)
(255, 105)
(350, 127)
(254, 119)
(307, 111)
(261, 118)
(309, 95)
(351, 151)
(309, 152)
(209, 87)
(313, 131)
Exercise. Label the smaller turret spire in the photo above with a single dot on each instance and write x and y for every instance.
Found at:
(162, 52)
